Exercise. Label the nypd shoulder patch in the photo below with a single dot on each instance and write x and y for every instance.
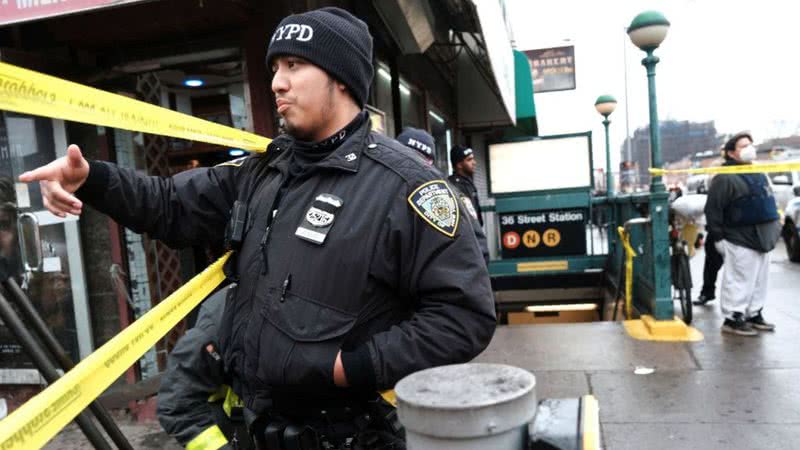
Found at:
(467, 202)
(436, 204)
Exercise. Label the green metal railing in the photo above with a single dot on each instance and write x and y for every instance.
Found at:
(651, 271)
(604, 251)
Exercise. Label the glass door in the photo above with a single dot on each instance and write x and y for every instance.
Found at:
(43, 250)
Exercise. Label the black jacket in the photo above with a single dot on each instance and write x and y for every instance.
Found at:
(398, 284)
(193, 375)
(468, 193)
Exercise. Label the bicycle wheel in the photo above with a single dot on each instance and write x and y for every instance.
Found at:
(682, 281)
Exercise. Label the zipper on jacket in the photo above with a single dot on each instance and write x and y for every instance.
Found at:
(272, 214)
(287, 283)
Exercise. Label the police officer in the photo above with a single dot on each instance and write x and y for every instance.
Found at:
(423, 143)
(354, 268)
(195, 404)
(463, 161)
(419, 140)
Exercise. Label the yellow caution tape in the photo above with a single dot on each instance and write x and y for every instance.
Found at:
(29, 92)
(741, 168)
(389, 397)
(41, 417)
(630, 253)
(210, 439)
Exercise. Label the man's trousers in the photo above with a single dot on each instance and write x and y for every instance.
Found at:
(744, 280)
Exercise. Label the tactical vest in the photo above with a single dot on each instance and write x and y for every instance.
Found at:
(755, 207)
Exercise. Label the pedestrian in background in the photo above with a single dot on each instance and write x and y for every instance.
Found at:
(713, 260)
(742, 217)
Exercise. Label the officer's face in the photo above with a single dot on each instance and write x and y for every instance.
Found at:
(304, 96)
(468, 165)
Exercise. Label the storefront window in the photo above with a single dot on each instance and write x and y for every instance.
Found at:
(382, 97)
(411, 105)
(441, 137)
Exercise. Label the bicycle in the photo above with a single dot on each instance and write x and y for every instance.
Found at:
(679, 269)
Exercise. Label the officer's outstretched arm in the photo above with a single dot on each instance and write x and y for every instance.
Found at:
(190, 207)
(435, 259)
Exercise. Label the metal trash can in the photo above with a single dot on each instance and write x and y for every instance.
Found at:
(467, 407)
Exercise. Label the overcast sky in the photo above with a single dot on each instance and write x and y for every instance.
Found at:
(732, 62)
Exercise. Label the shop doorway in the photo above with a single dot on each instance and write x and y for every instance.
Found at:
(42, 250)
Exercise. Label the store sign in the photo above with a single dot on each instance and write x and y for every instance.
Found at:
(552, 69)
(543, 233)
(15, 11)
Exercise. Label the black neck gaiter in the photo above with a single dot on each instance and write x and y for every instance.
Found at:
(305, 154)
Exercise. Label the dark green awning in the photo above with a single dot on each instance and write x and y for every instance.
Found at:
(526, 109)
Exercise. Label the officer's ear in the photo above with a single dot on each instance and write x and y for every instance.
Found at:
(342, 90)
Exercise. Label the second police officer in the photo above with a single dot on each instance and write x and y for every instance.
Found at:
(353, 266)
(463, 161)
(423, 143)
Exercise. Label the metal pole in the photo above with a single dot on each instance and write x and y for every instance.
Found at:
(656, 185)
(659, 206)
(31, 316)
(47, 369)
(610, 212)
(609, 175)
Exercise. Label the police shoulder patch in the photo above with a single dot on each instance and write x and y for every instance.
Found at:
(467, 202)
(436, 204)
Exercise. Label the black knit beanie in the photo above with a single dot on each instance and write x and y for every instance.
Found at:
(332, 39)
(459, 153)
(419, 140)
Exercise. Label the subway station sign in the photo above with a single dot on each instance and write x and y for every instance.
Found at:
(543, 233)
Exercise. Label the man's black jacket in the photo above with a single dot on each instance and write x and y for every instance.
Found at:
(397, 285)
(468, 193)
(193, 375)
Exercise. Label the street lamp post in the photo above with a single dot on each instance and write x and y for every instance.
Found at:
(647, 31)
(605, 105)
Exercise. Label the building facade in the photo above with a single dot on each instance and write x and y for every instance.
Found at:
(679, 139)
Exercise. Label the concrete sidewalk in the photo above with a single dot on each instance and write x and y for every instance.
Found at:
(725, 392)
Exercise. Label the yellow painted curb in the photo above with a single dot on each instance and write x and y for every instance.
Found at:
(590, 422)
(649, 329)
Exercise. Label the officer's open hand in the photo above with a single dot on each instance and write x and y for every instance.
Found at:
(59, 180)
(339, 377)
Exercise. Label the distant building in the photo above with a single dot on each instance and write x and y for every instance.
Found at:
(785, 148)
(679, 139)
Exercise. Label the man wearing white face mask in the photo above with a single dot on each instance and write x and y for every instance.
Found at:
(742, 217)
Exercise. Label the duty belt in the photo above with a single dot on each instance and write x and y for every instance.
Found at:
(369, 425)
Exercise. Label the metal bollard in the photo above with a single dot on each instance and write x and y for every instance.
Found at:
(467, 407)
